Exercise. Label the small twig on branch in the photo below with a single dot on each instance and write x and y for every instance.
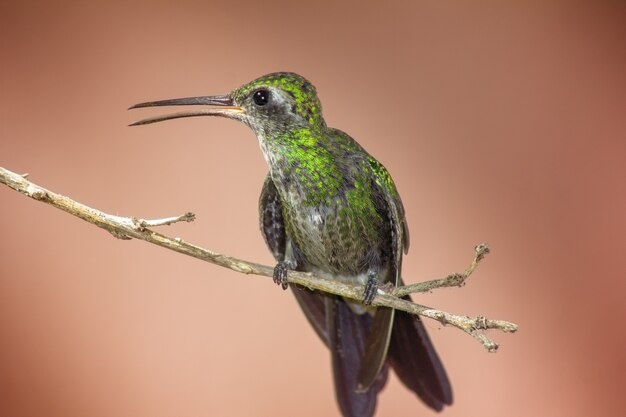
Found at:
(452, 280)
(187, 217)
(128, 227)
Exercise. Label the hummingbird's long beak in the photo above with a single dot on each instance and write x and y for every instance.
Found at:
(225, 108)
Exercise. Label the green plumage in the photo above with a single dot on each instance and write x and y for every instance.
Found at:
(333, 198)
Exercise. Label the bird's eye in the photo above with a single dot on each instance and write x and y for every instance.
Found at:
(261, 97)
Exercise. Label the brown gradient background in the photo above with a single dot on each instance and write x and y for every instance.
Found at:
(501, 122)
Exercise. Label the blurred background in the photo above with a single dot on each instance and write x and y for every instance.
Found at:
(501, 122)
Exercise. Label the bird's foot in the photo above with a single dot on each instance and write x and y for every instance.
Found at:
(371, 288)
(280, 274)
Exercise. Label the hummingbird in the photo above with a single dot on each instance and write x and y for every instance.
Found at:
(330, 208)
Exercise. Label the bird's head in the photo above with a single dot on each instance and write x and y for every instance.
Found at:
(274, 102)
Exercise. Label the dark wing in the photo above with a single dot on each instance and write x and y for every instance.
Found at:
(411, 353)
(386, 194)
(271, 220)
(390, 206)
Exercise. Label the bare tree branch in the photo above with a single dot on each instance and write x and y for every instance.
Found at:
(130, 227)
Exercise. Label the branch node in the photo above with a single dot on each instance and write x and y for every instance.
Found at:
(480, 323)
(441, 317)
(36, 192)
(481, 250)
(137, 224)
(456, 279)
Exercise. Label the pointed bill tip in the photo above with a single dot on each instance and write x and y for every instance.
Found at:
(136, 106)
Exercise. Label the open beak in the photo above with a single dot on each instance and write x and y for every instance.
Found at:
(224, 107)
